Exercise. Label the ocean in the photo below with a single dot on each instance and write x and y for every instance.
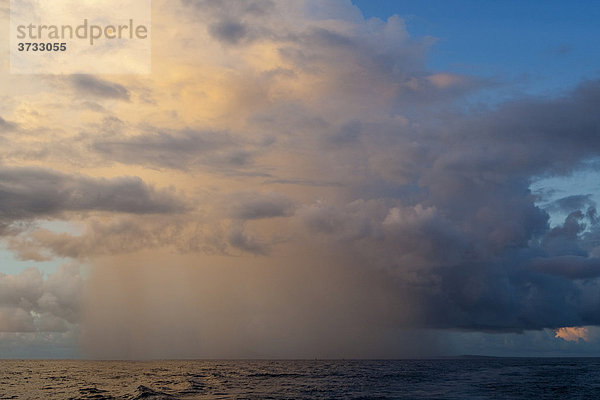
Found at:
(480, 378)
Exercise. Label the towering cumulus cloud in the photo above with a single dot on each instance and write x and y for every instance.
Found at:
(293, 181)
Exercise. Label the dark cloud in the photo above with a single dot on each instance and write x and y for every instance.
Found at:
(7, 125)
(90, 105)
(234, 22)
(463, 238)
(249, 206)
(29, 193)
(572, 267)
(179, 149)
(90, 85)
(327, 38)
(241, 240)
(230, 32)
(347, 134)
(233, 7)
(536, 136)
(576, 236)
(301, 182)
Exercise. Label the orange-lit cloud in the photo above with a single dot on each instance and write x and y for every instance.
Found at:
(573, 334)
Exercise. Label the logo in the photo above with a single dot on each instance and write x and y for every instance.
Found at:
(80, 36)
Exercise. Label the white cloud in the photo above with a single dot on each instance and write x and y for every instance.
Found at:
(30, 303)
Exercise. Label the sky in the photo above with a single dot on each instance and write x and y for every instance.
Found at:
(310, 179)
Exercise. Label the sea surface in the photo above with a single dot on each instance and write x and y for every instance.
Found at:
(487, 378)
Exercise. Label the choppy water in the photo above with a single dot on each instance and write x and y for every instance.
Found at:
(406, 379)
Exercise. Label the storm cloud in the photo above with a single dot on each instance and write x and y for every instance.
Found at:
(339, 195)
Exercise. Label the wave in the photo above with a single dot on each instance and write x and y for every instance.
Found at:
(144, 392)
